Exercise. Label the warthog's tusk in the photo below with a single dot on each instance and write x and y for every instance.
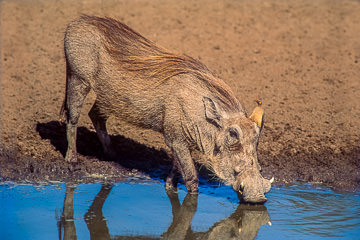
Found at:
(272, 180)
(270, 224)
(241, 188)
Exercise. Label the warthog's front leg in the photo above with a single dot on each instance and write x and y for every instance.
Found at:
(185, 164)
(71, 133)
(173, 177)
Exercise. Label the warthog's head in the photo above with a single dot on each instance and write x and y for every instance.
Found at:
(234, 159)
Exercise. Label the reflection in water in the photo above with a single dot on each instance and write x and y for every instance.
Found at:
(94, 218)
(67, 218)
(145, 211)
(244, 223)
(182, 215)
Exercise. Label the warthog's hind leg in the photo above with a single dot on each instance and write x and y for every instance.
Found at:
(76, 94)
(99, 119)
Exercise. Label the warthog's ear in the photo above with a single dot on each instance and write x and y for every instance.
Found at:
(258, 115)
(211, 112)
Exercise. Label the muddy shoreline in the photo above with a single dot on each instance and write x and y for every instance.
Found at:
(138, 161)
(300, 57)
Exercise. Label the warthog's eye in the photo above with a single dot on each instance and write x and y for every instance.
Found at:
(233, 139)
(233, 132)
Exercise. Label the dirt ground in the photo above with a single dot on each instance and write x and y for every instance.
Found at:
(300, 57)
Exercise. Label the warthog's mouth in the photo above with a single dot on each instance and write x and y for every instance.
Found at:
(251, 194)
(258, 199)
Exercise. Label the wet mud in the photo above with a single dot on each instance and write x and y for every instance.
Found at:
(300, 57)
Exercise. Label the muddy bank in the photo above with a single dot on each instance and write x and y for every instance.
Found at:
(135, 159)
(300, 57)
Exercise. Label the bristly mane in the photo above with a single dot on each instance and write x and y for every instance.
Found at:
(136, 53)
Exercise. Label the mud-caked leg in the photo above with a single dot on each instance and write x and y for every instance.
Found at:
(99, 119)
(173, 177)
(185, 164)
(71, 136)
(76, 94)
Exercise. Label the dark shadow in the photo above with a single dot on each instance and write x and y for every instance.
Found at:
(130, 154)
(244, 223)
(87, 142)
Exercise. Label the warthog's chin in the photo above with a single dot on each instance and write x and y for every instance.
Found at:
(251, 199)
(255, 195)
(248, 195)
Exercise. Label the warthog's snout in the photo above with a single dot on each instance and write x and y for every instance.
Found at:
(251, 187)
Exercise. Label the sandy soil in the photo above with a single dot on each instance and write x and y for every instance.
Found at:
(300, 57)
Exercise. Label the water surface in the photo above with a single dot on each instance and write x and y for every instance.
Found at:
(143, 210)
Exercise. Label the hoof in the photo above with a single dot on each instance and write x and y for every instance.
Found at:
(71, 157)
(192, 186)
(169, 187)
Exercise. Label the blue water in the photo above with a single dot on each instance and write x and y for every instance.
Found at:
(133, 210)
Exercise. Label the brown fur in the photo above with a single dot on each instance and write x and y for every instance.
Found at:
(135, 53)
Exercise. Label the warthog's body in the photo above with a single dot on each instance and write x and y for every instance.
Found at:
(173, 94)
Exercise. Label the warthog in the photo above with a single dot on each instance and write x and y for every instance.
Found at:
(174, 94)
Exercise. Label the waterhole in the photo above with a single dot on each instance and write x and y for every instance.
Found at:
(136, 209)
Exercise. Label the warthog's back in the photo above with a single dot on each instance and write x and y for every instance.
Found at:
(132, 77)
